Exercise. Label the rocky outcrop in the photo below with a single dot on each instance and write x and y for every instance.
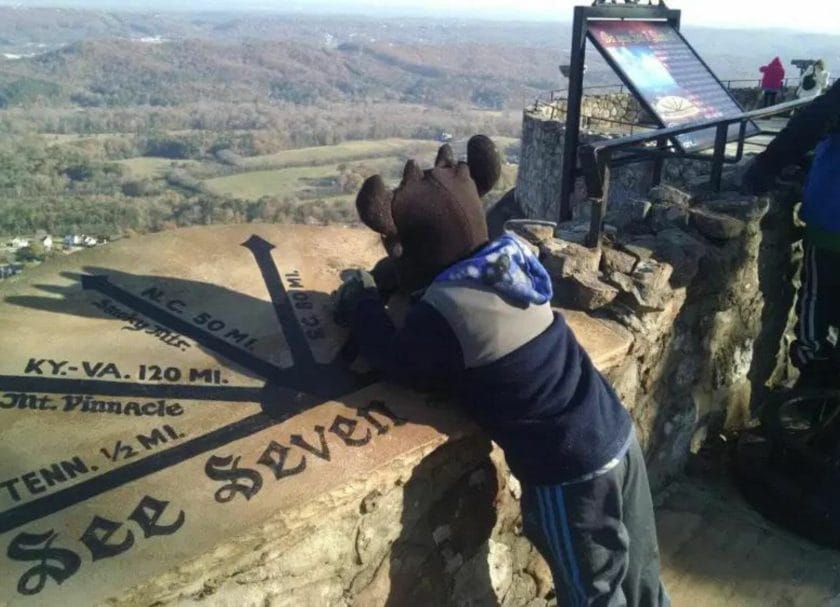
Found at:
(540, 163)
(682, 274)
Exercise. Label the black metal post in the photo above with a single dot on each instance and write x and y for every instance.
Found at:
(598, 206)
(573, 103)
(659, 163)
(675, 18)
(742, 136)
(596, 218)
(721, 135)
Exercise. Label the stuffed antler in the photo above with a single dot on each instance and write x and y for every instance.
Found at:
(435, 216)
(484, 162)
(374, 206)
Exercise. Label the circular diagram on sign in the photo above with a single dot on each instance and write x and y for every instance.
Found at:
(674, 108)
(166, 391)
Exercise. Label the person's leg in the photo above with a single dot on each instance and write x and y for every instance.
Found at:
(765, 101)
(582, 539)
(598, 558)
(816, 308)
(831, 297)
(540, 530)
(642, 585)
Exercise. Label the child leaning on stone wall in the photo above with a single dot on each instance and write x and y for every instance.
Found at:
(482, 326)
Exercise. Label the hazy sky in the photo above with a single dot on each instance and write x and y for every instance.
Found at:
(808, 15)
(805, 15)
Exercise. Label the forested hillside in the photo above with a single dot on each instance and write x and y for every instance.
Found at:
(120, 122)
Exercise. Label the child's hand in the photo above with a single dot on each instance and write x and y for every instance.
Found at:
(387, 277)
(358, 285)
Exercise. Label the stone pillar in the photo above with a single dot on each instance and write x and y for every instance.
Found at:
(538, 182)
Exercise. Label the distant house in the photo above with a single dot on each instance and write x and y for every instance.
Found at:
(19, 243)
(83, 240)
(445, 137)
(10, 269)
(43, 237)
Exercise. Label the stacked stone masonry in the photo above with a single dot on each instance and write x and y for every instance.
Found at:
(603, 117)
(539, 179)
(687, 276)
(372, 496)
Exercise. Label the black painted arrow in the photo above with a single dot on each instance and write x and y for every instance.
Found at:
(292, 331)
(282, 404)
(287, 377)
(55, 502)
(56, 385)
(281, 398)
(329, 380)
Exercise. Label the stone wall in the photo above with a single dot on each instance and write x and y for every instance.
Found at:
(538, 182)
(616, 108)
(541, 157)
(685, 277)
(240, 492)
(540, 164)
(439, 527)
(690, 277)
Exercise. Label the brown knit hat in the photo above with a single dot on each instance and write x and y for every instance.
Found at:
(435, 217)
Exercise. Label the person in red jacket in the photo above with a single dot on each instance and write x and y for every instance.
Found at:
(772, 81)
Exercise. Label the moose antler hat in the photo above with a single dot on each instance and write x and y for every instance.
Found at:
(435, 217)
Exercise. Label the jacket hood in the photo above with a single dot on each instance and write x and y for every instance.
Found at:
(507, 266)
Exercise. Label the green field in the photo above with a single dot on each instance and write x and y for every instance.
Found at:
(306, 173)
(423, 150)
(62, 138)
(304, 182)
(343, 152)
(299, 172)
(153, 167)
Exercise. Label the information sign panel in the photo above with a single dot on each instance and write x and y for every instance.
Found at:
(667, 76)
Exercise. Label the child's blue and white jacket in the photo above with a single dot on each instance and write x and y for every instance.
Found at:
(485, 329)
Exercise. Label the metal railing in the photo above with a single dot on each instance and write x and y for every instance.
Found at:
(552, 103)
(731, 84)
(560, 94)
(631, 127)
(598, 159)
(750, 83)
(557, 112)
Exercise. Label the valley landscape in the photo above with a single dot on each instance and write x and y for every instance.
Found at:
(117, 123)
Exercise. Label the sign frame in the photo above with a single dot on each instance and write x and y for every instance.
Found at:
(583, 15)
(631, 85)
(580, 26)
